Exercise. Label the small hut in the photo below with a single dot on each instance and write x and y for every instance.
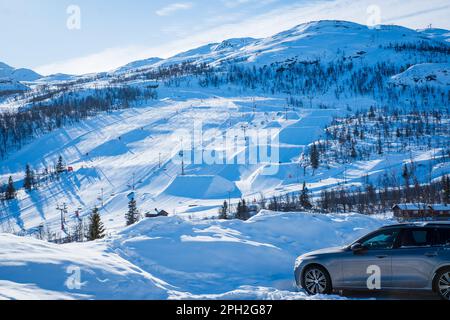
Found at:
(157, 213)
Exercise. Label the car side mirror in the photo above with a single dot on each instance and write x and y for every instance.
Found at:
(357, 248)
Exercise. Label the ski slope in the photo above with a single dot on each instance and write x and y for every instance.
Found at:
(138, 147)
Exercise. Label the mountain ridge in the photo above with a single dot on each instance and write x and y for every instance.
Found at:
(302, 38)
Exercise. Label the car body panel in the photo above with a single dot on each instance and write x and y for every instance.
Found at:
(402, 268)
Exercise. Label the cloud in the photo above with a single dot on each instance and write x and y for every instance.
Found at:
(414, 14)
(168, 10)
(101, 61)
(237, 3)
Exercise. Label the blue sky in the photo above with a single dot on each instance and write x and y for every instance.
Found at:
(34, 33)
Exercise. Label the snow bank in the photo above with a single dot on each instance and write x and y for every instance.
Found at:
(32, 269)
(172, 258)
(216, 259)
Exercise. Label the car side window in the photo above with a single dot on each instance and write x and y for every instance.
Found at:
(381, 240)
(413, 238)
(443, 237)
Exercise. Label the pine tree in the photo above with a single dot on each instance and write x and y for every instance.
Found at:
(239, 210)
(132, 215)
(304, 197)
(405, 173)
(223, 211)
(379, 146)
(242, 211)
(446, 189)
(28, 181)
(10, 192)
(60, 165)
(354, 154)
(96, 228)
(315, 157)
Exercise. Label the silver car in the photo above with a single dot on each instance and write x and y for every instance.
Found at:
(414, 256)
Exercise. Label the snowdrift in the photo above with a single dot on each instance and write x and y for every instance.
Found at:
(172, 258)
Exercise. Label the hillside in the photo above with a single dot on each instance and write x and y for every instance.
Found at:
(119, 131)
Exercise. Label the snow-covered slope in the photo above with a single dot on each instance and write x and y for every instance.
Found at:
(437, 34)
(108, 150)
(137, 65)
(325, 39)
(8, 86)
(11, 79)
(431, 74)
(177, 259)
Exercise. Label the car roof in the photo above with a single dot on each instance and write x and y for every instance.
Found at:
(421, 224)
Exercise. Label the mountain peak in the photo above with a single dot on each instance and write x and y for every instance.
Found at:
(234, 43)
(21, 74)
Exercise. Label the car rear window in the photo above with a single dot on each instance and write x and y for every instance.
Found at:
(443, 236)
(416, 238)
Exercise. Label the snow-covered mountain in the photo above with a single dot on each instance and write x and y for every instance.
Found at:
(108, 149)
(138, 65)
(12, 80)
(118, 132)
(324, 40)
(21, 74)
(437, 34)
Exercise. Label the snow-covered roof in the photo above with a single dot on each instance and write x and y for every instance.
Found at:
(422, 206)
(440, 207)
(412, 206)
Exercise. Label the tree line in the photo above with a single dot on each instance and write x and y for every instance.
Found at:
(41, 115)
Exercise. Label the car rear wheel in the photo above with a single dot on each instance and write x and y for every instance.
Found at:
(443, 284)
(316, 280)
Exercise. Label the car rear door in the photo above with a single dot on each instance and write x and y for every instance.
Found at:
(414, 258)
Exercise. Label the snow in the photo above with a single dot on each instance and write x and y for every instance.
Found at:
(9, 85)
(202, 187)
(431, 74)
(437, 34)
(174, 258)
(305, 42)
(412, 206)
(137, 65)
(440, 207)
(8, 72)
(105, 152)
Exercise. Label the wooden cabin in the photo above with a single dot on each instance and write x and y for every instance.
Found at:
(412, 210)
(421, 210)
(157, 213)
(440, 210)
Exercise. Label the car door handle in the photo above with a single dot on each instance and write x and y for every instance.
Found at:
(382, 256)
(431, 254)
